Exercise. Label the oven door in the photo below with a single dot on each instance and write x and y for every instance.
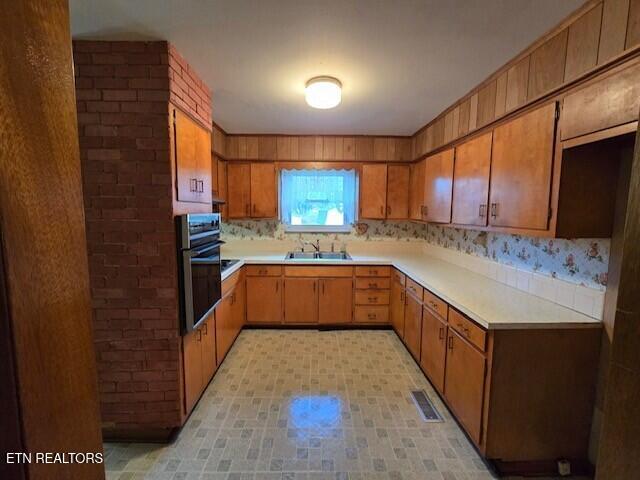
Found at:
(202, 283)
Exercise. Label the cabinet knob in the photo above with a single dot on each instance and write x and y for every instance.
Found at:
(494, 210)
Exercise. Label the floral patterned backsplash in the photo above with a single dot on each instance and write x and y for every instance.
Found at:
(581, 261)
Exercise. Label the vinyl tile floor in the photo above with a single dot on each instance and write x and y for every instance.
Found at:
(306, 404)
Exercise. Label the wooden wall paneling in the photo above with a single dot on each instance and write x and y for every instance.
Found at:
(233, 147)
(340, 148)
(393, 148)
(582, 43)
(486, 104)
(364, 149)
(517, 84)
(253, 147)
(501, 94)
(307, 148)
(283, 148)
(267, 148)
(473, 112)
(438, 133)
(633, 25)
(614, 29)
(318, 147)
(425, 140)
(546, 70)
(295, 148)
(448, 127)
(456, 122)
(465, 109)
(380, 149)
(329, 148)
(242, 148)
(349, 148)
(45, 273)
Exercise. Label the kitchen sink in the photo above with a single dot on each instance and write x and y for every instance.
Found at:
(317, 255)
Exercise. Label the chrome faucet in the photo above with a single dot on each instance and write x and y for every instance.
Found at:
(315, 245)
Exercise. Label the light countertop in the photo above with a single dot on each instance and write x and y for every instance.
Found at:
(489, 303)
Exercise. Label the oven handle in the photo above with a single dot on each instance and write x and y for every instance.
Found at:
(200, 251)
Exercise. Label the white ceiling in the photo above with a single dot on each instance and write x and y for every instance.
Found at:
(401, 62)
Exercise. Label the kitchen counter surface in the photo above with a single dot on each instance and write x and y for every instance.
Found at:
(489, 303)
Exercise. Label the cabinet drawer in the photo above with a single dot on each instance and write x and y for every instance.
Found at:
(373, 271)
(378, 314)
(373, 283)
(231, 281)
(264, 270)
(372, 297)
(414, 288)
(399, 277)
(437, 306)
(291, 271)
(468, 329)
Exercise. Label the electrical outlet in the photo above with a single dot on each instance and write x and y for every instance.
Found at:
(564, 468)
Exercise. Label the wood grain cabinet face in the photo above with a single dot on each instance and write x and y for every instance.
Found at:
(209, 360)
(413, 325)
(471, 181)
(464, 383)
(335, 302)
(416, 190)
(397, 308)
(239, 191)
(521, 167)
(264, 190)
(264, 299)
(433, 348)
(397, 192)
(192, 151)
(373, 191)
(193, 371)
(300, 300)
(224, 325)
(438, 187)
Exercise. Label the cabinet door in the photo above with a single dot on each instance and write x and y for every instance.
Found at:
(416, 190)
(224, 325)
(239, 308)
(264, 300)
(186, 157)
(438, 187)
(335, 304)
(238, 190)
(397, 308)
(471, 181)
(373, 191)
(412, 325)
(300, 300)
(203, 163)
(215, 177)
(264, 190)
(222, 188)
(434, 348)
(192, 358)
(398, 192)
(464, 383)
(209, 361)
(521, 164)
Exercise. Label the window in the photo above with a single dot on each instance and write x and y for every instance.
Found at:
(318, 200)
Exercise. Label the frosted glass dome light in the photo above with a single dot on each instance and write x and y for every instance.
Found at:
(323, 92)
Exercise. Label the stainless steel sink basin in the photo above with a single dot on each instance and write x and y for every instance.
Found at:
(317, 255)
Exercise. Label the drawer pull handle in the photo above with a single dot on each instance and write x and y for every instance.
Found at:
(372, 316)
(441, 333)
(373, 299)
(373, 285)
(450, 343)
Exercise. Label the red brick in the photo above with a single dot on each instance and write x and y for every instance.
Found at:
(101, 107)
(119, 95)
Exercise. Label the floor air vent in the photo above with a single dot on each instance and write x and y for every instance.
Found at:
(425, 406)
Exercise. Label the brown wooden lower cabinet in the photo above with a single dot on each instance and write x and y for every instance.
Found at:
(412, 324)
(230, 316)
(300, 300)
(335, 302)
(397, 308)
(209, 359)
(199, 357)
(264, 300)
(434, 348)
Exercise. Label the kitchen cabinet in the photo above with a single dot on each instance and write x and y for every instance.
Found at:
(223, 189)
(471, 181)
(230, 313)
(335, 302)
(464, 383)
(252, 190)
(300, 300)
(192, 159)
(208, 343)
(521, 167)
(397, 307)
(264, 299)
(416, 190)
(199, 358)
(438, 186)
(373, 191)
(412, 324)
(397, 192)
(433, 348)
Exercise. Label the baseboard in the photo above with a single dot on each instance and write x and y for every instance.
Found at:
(538, 468)
(316, 326)
(140, 435)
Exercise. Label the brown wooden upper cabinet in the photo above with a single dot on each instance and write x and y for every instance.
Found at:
(398, 192)
(416, 190)
(373, 191)
(522, 162)
(192, 152)
(252, 190)
(471, 181)
(438, 186)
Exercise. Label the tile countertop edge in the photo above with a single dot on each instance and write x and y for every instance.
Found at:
(588, 322)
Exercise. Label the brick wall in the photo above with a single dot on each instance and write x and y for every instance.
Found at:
(187, 91)
(123, 91)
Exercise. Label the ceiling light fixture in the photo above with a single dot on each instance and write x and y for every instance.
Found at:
(323, 92)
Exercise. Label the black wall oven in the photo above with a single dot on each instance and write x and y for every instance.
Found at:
(200, 273)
